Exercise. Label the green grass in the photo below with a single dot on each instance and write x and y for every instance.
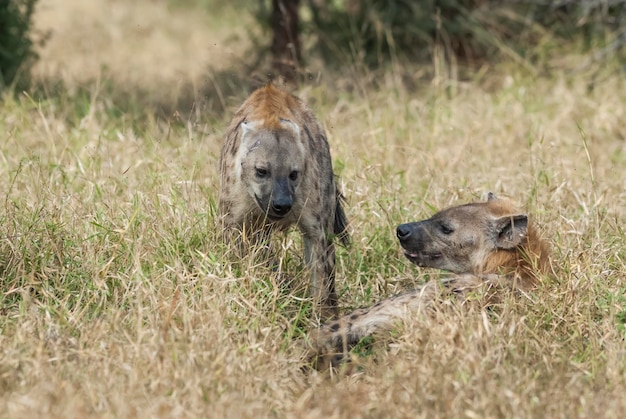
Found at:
(119, 298)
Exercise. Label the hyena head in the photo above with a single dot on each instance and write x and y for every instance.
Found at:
(461, 239)
(272, 164)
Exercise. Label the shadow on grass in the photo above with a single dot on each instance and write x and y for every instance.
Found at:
(213, 99)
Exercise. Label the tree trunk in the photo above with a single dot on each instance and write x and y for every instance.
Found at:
(286, 43)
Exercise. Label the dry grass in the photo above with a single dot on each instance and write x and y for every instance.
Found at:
(118, 299)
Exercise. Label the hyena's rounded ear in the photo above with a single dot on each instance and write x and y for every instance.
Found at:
(247, 126)
(490, 197)
(288, 123)
(509, 231)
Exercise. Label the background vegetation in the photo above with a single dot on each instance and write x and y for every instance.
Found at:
(119, 300)
(16, 44)
(470, 30)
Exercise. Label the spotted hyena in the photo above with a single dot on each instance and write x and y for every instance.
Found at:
(275, 172)
(487, 244)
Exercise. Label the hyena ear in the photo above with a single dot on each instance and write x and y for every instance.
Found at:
(491, 197)
(291, 125)
(509, 231)
(247, 127)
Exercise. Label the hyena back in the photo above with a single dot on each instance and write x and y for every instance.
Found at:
(487, 244)
(275, 172)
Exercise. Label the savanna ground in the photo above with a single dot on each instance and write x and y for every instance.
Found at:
(119, 300)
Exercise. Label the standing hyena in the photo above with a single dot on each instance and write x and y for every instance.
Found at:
(276, 171)
(487, 244)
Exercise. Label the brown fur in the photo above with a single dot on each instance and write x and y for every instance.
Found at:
(275, 172)
(488, 245)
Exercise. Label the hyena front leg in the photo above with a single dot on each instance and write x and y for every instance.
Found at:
(334, 339)
(319, 253)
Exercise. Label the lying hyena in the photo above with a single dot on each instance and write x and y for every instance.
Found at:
(276, 171)
(485, 244)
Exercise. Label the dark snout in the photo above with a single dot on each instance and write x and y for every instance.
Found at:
(421, 244)
(411, 236)
(281, 205)
(282, 199)
(406, 232)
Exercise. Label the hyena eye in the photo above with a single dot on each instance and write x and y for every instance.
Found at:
(446, 229)
(261, 172)
(293, 175)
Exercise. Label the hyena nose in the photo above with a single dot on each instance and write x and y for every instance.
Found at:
(281, 206)
(404, 231)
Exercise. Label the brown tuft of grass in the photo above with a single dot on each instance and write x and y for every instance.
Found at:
(119, 300)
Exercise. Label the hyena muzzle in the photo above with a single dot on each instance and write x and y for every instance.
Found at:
(275, 172)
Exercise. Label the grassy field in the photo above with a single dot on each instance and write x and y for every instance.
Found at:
(119, 300)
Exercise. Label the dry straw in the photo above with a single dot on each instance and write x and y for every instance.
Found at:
(119, 301)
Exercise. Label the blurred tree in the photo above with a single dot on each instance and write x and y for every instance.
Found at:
(16, 46)
(471, 31)
(286, 42)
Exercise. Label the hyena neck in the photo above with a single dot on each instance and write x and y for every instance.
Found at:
(526, 263)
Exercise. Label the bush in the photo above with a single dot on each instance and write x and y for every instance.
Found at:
(375, 30)
(16, 46)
